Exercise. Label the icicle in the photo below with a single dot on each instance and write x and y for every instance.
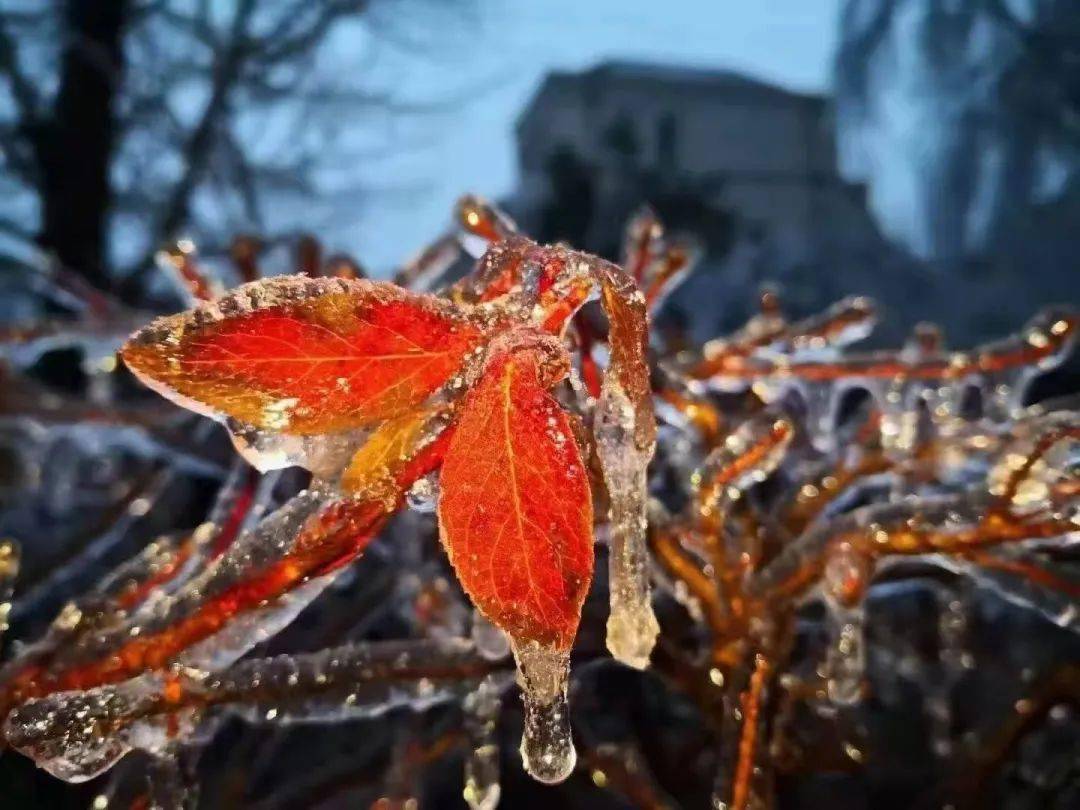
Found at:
(899, 418)
(844, 581)
(489, 640)
(547, 750)
(943, 403)
(9, 572)
(624, 428)
(1003, 392)
(821, 402)
(953, 660)
(632, 627)
(325, 455)
(482, 790)
(845, 660)
(167, 787)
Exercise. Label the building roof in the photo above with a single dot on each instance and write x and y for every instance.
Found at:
(720, 82)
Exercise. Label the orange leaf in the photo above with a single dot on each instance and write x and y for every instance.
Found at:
(515, 511)
(305, 356)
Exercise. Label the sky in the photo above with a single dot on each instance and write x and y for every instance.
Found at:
(492, 56)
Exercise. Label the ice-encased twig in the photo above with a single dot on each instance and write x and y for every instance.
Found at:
(1027, 583)
(158, 569)
(953, 523)
(746, 457)
(76, 735)
(245, 596)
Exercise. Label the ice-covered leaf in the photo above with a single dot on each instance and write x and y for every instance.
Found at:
(515, 512)
(371, 469)
(305, 356)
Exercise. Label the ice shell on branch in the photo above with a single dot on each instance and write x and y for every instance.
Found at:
(65, 733)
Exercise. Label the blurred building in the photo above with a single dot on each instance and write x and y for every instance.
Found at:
(744, 165)
(751, 169)
(762, 151)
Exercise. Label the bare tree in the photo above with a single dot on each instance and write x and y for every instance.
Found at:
(130, 122)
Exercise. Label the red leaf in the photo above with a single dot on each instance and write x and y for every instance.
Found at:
(515, 513)
(305, 356)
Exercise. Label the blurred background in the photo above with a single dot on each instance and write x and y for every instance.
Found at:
(923, 152)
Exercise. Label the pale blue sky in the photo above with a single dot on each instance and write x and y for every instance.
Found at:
(500, 51)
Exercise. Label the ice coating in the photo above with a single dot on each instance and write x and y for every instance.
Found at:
(245, 596)
(746, 457)
(547, 750)
(914, 476)
(774, 360)
(266, 450)
(515, 506)
(352, 680)
(304, 356)
(1037, 463)
(77, 735)
(1027, 583)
